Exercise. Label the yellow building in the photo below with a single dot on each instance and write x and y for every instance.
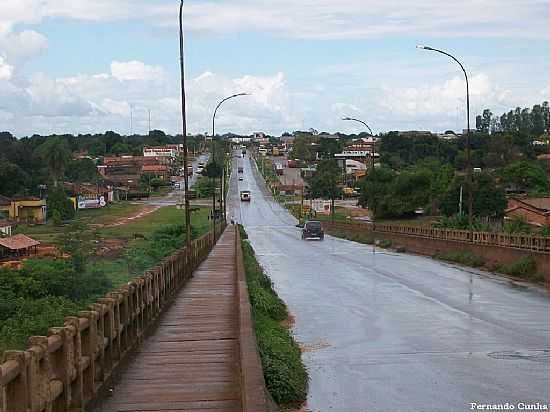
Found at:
(24, 209)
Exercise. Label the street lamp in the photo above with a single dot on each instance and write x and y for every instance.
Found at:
(222, 177)
(468, 155)
(184, 132)
(370, 132)
(372, 165)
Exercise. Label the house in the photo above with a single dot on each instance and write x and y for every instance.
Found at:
(27, 209)
(159, 171)
(353, 166)
(6, 227)
(535, 210)
(89, 195)
(17, 246)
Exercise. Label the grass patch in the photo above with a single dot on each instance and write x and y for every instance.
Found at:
(285, 374)
(359, 237)
(462, 257)
(164, 216)
(525, 267)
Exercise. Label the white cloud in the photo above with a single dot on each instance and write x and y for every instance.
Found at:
(136, 70)
(6, 70)
(359, 19)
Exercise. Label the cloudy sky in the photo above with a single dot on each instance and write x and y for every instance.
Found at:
(79, 66)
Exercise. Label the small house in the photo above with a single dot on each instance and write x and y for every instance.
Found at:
(18, 246)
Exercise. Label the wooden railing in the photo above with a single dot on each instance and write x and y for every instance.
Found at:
(528, 242)
(65, 370)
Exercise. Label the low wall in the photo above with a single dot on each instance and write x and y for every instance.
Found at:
(493, 254)
(254, 392)
(65, 370)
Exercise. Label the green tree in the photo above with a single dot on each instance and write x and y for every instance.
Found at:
(82, 170)
(526, 175)
(13, 179)
(55, 152)
(375, 188)
(60, 206)
(324, 183)
(488, 199)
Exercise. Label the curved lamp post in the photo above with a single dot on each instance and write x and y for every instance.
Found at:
(222, 178)
(468, 155)
(372, 161)
(184, 131)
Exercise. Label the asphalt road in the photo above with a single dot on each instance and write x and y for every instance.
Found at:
(173, 197)
(396, 332)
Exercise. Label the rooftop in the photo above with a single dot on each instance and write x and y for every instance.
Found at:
(18, 242)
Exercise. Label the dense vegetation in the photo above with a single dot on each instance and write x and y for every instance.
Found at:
(44, 291)
(285, 374)
(27, 163)
(421, 172)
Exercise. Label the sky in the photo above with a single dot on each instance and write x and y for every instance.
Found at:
(81, 66)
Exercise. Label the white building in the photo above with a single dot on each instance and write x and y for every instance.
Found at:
(353, 166)
(171, 151)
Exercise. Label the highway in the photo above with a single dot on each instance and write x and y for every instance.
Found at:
(395, 332)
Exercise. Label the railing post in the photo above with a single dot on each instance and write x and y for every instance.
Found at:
(15, 394)
(39, 375)
(90, 350)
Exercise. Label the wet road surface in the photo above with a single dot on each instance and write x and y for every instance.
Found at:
(397, 332)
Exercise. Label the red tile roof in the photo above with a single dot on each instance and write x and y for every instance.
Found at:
(18, 242)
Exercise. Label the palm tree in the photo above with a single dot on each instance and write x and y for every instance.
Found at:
(56, 153)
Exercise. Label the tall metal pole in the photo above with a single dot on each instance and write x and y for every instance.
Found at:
(222, 177)
(184, 132)
(468, 148)
(371, 165)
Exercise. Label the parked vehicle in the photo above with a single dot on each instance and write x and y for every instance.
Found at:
(279, 169)
(313, 229)
(245, 195)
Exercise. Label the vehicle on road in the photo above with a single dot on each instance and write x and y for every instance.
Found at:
(241, 178)
(313, 229)
(245, 195)
(240, 169)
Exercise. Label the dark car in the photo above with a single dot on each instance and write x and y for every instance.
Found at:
(313, 230)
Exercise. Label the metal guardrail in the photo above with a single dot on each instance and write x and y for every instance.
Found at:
(65, 370)
(526, 242)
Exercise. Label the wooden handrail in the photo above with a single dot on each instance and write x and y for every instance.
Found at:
(65, 370)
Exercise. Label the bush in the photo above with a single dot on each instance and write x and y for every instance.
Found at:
(518, 224)
(385, 243)
(285, 374)
(463, 257)
(526, 267)
(34, 318)
(59, 205)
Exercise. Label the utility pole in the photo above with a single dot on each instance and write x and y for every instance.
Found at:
(184, 132)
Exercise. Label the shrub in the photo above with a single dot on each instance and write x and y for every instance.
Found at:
(33, 318)
(285, 374)
(463, 257)
(517, 224)
(385, 243)
(525, 267)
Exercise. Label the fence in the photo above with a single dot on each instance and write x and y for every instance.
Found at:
(526, 242)
(65, 371)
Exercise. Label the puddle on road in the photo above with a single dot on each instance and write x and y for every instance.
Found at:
(531, 355)
(315, 346)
